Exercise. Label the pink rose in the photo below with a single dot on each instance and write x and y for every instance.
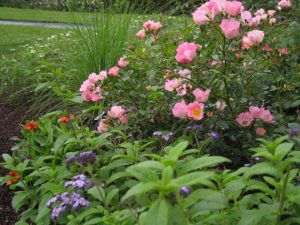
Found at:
(114, 71)
(267, 117)
(102, 127)
(186, 52)
(116, 112)
(249, 20)
(255, 111)
(103, 75)
(260, 12)
(170, 85)
(285, 4)
(122, 62)
(180, 109)
(244, 119)
(93, 78)
(200, 95)
(123, 119)
(151, 25)
(233, 8)
(271, 13)
(272, 21)
(284, 51)
(260, 131)
(200, 16)
(86, 86)
(195, 111)
(253, 38)
(184, 72)
(141, 34)
(230, 28)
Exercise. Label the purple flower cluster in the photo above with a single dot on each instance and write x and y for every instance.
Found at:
(185, 191)
(84, 159)
(165, 137)
(79, 182)
(193, 127)
(294, 132)
(214, 135)
(72, 201)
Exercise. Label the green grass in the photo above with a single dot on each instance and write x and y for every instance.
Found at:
(39, 15)
(14, 36)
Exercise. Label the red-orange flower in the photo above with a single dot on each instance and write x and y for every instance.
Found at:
(66, 119)
(16, 177)
(31, 126)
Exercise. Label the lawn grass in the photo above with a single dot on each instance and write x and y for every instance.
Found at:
(40, 15)
(14, 36)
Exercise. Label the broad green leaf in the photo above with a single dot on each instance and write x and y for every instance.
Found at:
(282, 150)
(151, 164)
(117, 176)
(111, 195)
(261, 168)
(139, 189)
(142, 173)
(203, 162)
(43, 210)
(97, 192)
(60, 141)
(20, 199)
(198, 195)
(192, 178)
(176, 151)
(234, 188)
(257, 185)
(97, 221)
(7, 158)
(167, 175)
(158, 213)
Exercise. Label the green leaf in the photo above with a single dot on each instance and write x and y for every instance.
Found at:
(176, 151)
(151, 164)
(142, 173)
(282, 150)
(257, 185)
(20, 199)
(60, 141)
(8, 159)
(77, 99)
(117, 176)
(111, 194)
(203, 162)
(157, 214)
(234, 188)
(96, 221)
(261, 168)
(139, 189)
(97, 193)
(192, 178)
(43, 210)
(167, 175)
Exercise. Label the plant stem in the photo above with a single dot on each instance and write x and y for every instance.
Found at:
(282, 196)
(224, 77)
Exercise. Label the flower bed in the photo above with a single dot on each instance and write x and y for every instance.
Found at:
(175, 137)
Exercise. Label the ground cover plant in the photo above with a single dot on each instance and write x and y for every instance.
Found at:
(194, 124)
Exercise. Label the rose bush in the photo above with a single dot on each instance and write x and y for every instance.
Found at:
(176, 117)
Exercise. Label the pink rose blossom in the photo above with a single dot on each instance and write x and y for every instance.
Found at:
(151, 25)
(200, 16)
(93, 78)
(89, 91)
(103, 75)
(230, 28)
(170, 85)
(260, 12)
(272, 21)
(116, 112)
(249, 20)
(255, 111)
(114, 71)
(184, 72)
(195, 111)
(285, 4)
(253, 38)
(260, 131)
(267, 117)
(141, 34)
(122, 62)
(267, 48)
(186, 52)
(271, 13)
(200, 95)
(284, 51)
(102, 127)
(220, 105)
(123, 119)
(180, 109)
(233, 8)
(244, 119)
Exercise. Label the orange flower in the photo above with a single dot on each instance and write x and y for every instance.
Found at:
(15, 175)
(64, 119)
(31, 126)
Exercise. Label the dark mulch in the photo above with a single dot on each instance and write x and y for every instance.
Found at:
(9, 126)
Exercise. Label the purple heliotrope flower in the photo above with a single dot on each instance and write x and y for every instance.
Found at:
(79, 182)
(168, 136)
(294, 131)
(185, 191)
(84, 159)
(214, 135)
